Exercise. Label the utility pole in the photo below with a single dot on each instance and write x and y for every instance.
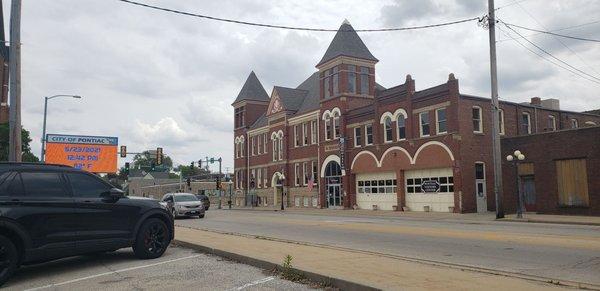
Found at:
(495, 115)
(14, 149)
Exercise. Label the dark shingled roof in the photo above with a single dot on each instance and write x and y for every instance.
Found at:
(291, 98)
(311, 101)
(346, 42)
(252, 90)
(260, 122)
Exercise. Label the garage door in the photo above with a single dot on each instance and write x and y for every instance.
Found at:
(431, 189)
(376, 189)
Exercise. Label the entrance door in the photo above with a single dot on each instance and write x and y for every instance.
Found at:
(480, 188)
(528, 184)
(333, 179)
(334, 197)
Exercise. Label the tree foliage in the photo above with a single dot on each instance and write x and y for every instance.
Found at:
(27, 156)
(146, 159)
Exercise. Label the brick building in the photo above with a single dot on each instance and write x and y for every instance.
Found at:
(3, 71)
(340, 140)
(558, 174)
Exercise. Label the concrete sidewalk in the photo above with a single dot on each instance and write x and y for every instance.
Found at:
(353, 270)
(490, 216)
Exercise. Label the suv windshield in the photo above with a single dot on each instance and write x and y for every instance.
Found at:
(185, 198)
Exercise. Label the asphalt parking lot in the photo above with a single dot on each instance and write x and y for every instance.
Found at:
(178, 269)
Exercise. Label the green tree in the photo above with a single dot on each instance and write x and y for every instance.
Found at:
(145, 160)
(186, 171)
(27, 156)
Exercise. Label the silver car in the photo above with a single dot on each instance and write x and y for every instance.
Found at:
(183, 204)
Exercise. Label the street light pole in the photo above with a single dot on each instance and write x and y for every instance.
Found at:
(43, 151)
(518, 156)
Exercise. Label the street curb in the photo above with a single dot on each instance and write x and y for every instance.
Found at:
(529, 220)
(266, 265)
(524, 220)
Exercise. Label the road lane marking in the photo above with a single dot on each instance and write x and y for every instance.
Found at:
(257, 282)
(113, 272)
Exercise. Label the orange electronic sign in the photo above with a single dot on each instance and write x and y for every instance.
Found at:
(96, 154)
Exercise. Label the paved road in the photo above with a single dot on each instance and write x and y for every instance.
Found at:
(178, 269)
(564, 252)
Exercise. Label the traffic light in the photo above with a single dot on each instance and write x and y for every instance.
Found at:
(188, 182)
(192, 165)
(123, 151)
(159, 156)
(152, 167)
(218, 180)
(200, 164)
(127, 167)
(212, 160)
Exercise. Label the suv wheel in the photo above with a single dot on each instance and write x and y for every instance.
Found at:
(152, 239)
(8, 259)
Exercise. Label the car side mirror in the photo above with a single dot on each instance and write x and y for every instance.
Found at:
(114, 193)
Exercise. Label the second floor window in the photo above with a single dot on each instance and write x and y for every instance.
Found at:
(440, 115)
(368, 134)
(305, 133)
(501, 120)
(328, 129)
(526, 122)
(424, 123)
(387, 129)
(313, 132)
(336, 82)
(336, 125)
(296, 136)
(357, 137)
(401, 126)
(326, 87)
(477, 122)
(551, 123)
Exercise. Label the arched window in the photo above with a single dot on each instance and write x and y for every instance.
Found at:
(574, 123)
(401, 126)
(328, 131)
(551, 123)
(387, 129)
(336, 124)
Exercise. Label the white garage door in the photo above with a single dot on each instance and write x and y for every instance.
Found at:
(431, 188)
(376, 189)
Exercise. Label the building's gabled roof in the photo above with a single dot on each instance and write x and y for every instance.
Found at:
(346, 42)
(291, 99)
(252, 90)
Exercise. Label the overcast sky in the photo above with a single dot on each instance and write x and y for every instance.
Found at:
(153, 78)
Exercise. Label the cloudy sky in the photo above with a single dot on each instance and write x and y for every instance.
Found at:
(158, 79)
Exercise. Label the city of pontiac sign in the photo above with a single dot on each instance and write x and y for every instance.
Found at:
(430, 186)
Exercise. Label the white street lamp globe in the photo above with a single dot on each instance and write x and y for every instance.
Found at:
(509, 158)
(517, 153)
(521, 157)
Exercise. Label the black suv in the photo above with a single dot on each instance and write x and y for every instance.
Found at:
(50, 211)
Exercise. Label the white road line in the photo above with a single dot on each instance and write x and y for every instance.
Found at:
(257, 282)
(113, 272)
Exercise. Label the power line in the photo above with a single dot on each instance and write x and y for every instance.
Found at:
(568, 67)
(511, 3)
(555, 30)
(552, 33)
(559, 40)
(543, 57)
(293, 27)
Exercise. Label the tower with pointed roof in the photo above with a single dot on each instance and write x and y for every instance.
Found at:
(3, 71)
(250, 103)
(347, 69)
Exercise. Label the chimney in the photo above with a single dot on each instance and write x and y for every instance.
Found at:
(536, 101)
